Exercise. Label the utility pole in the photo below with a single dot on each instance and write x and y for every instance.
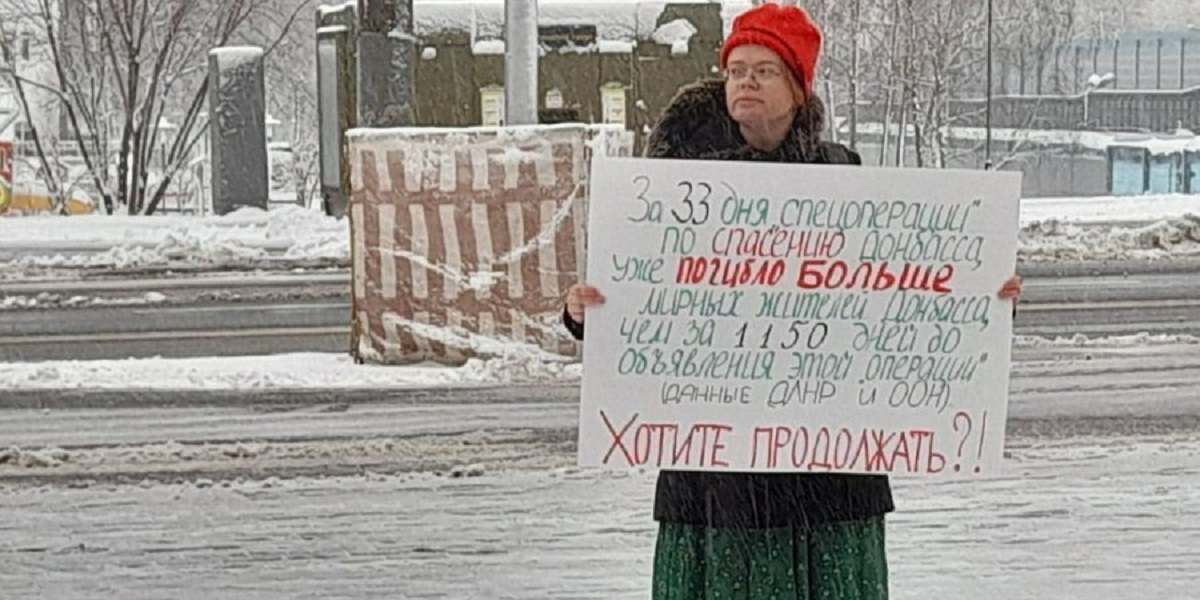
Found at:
(987, 149)
(520, 62)
(856, 29)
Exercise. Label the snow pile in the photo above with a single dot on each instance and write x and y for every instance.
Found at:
(675, 34)
(1055, 240)
(520, 368)
(1109, 209)
(304, 370)
(501, 359)
(1144, 227)
(338, 371)
(34, 459)
(249, 236)
(47, 300)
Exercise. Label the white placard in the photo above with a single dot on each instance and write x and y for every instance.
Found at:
(798, 318)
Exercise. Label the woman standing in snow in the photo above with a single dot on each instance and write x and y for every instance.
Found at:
(745, 536)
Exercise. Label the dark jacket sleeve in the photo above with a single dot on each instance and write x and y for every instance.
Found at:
(574, 327)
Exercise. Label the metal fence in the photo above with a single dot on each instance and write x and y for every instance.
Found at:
(1137, 61)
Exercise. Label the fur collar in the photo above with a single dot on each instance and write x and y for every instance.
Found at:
(696, 125)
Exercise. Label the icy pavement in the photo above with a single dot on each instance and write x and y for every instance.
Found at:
(1098, 520)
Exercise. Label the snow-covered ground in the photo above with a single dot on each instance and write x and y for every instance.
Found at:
(282, 237)
(1107, 209)
(1096, 519)
(1142, 227)
(1110, 228)
(1076, 513)
(300, 370)
(1057, 241)
(513, 363)
(51, 300)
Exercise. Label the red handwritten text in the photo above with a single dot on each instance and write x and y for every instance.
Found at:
(869, 450)
(873, 276)
(732, 273)
(665, 444)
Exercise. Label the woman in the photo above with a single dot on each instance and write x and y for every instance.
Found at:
(743, 536)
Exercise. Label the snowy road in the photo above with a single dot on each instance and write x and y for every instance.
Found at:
(309, 313)
(1057, 392)
(1103, 521)
(333, 494)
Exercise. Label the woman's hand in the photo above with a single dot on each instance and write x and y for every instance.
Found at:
(581, 296)
(1011, 289)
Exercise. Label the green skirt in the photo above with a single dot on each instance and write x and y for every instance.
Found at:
(844, 561)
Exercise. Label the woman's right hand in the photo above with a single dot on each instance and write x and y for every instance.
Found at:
(581, 296)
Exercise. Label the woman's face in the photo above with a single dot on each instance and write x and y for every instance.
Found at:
(759, 88)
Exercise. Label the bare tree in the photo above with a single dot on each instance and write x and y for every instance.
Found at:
(291, 81)
(942, 47)
(124, 69)
(848, 52)
(912, 60)
(16, 47)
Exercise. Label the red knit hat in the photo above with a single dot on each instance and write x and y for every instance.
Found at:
(785, 29)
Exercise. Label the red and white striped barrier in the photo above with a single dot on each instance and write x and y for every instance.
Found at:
(464, 239)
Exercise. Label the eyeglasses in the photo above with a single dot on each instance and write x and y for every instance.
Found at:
(761, 72)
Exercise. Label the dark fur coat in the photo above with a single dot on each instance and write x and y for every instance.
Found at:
(698, 126)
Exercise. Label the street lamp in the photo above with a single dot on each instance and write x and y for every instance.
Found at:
(167, 129)
(272, 123)
(1095, 82)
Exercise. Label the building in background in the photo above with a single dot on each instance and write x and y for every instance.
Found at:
(26, 59)
(603, 62)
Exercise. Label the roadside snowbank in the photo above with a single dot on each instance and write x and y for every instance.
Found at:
(511, 364)
(1053, 229)
(1109, 209)
(1063, 241)
(301, 370)
(283, 236)
(47, 300)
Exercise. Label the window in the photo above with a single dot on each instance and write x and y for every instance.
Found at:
(612, 104)
(1166, 173)
(1192, 159)
(491, 104)
(554, 98)
(1127, 171)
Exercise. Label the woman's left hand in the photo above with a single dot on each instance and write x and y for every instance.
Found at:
(1011, 289)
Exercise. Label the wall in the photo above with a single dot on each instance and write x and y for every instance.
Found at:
(452, 70)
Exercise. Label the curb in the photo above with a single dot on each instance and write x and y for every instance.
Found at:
(1107, 268)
